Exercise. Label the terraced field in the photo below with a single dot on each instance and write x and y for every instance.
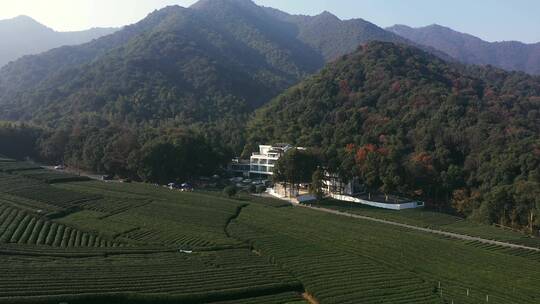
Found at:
(344, 260)
(51, 177)
(9, 166)
(435, 220)
(38, 191)
(159, 216)
(20, 227)
(90, 242)
(96, 242)
(164, 278)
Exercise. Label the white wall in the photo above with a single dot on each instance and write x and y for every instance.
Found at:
(409, 205)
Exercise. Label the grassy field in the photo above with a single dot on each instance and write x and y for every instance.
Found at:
(435, 220)
(96, 242)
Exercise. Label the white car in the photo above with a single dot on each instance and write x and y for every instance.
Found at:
(59, 167)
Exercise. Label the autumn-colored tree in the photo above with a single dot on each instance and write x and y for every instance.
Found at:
(466, 201)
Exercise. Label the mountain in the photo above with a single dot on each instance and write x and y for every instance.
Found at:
(23, 35)
(207, 65)
(508, 55)
(404, 120)
(333, 37)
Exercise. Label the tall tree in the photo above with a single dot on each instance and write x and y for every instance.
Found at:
(316, 186)
(294, 167)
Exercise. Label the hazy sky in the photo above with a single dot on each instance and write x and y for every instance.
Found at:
(492, 20)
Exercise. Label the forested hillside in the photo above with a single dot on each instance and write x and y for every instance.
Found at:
(205, 68)
(408, 122)
(508, 55)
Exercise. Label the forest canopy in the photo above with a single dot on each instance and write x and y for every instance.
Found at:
(146, 154)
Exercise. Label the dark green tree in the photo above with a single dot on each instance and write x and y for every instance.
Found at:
(317, 184)
(230, 191)
(294, 167)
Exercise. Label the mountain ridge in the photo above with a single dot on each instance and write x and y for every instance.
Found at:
(208, 64)
(23, 36)
(469, 49)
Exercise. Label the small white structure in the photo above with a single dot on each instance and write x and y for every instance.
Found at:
(402, 206)
(306, 198)
(332, 183)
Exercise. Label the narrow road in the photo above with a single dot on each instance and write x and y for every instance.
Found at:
(445, 233)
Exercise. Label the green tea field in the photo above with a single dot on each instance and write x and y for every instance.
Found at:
(431, 219)
(64, 239)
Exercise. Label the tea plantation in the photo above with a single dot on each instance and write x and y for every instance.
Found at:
(67, 239)
(432, 219)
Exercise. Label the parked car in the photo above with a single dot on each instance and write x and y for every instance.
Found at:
(185, 187)
(107, 177)
(173, 186)
(59, 167)
(236, 179)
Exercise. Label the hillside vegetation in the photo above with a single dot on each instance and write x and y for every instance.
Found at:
(405, 121)
(205, 67)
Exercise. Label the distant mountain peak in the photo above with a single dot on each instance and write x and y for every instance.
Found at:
(399, 26)
(23, 35)
(24, 18)
(328, 15)
(441, 28)
(212, 3)
(509, 55)
(435, 25)
(24, 21)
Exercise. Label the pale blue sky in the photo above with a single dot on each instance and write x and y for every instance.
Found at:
(492, 20)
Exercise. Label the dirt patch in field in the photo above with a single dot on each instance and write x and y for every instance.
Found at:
(311, 299)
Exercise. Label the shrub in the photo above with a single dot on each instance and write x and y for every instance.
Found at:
(230, 191)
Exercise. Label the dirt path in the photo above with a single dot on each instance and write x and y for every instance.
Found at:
(309, 298)
(439, 232)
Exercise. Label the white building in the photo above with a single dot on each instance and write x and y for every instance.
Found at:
(262, 163)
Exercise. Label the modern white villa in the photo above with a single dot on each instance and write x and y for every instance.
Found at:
(261, 164)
